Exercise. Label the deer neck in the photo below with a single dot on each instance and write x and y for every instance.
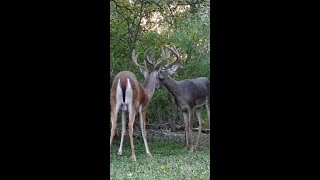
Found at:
(171, 85)
(150, 86)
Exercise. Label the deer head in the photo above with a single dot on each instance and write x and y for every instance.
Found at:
(150, 76)
(171, 68)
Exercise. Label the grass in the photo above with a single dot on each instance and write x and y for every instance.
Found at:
(171, 160)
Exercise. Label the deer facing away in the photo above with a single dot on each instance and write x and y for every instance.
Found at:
(131, 97)
(190, 95)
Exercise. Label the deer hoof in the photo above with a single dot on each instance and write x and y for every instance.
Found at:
(119, 153)
(191, 148)
(133, 158)
(195, 146)
(149, 154)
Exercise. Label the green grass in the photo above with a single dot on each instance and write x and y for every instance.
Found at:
(171, 160)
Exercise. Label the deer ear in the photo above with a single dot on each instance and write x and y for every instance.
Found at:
(154, 73)
(173, 69)
(144, 72)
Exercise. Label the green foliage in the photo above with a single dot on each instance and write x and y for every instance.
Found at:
(133, 27)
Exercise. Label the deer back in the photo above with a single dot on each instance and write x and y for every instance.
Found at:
(190, 92)
(193, 91)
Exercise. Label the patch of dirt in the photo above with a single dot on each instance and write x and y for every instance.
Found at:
(204, 139)
(165, 131)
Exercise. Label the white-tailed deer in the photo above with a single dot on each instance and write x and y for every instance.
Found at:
(130, 97)
(189, 94)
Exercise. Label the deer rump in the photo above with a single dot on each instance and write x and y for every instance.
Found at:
(124, 93)
(128, 90)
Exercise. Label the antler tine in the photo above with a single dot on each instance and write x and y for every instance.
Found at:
(146, 55)
(176, 54)
(134, 58)
(165, 56)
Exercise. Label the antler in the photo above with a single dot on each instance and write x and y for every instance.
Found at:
(146, 55)
(134, 58)
(151, 60)
(165, 56)
(176, 54)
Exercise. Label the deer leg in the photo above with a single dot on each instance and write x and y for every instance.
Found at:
(142, 113)
(144, 124)
(114, 112)
(191, 121)
(208, 112)
(191, 114)
(130, 127)
(186, 127)
(198, 113)
(123, 131)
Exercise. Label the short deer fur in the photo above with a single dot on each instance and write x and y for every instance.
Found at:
(130, 97)
(189, 94)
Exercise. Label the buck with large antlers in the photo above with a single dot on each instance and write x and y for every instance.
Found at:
(130, 96)
(189, 94)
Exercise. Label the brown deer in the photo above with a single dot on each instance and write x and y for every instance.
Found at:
(189, 94)
(130, 97)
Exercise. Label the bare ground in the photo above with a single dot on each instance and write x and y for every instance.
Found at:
(163, 134)
(165, 131)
